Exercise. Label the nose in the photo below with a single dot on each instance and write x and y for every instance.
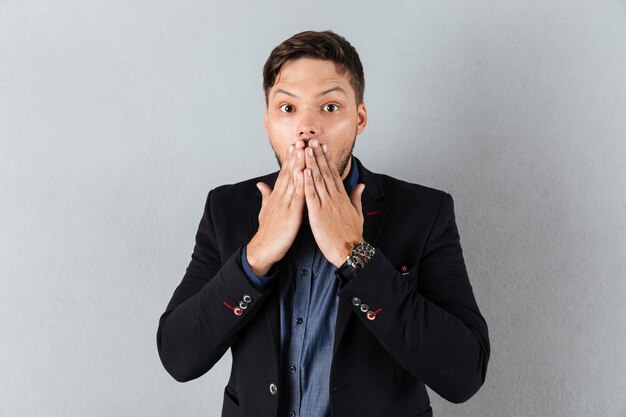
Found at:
(308, 126)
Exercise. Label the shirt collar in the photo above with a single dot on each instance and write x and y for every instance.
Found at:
(353, 176)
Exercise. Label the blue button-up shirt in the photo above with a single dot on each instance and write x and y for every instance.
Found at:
(308, 309)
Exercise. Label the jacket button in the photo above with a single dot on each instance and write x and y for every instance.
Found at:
(370, 315)
(356, 301)
(364, 307)
(247, 298)
(243, 305)
(273, 389)
(238, 311)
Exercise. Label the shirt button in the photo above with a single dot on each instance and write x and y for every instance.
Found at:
(304, 272)
(292, 369)
(299, 320)
(292, 414)
(273, 389)
(356, 301)
(364, 308)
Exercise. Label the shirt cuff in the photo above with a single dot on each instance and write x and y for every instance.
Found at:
(262, 281)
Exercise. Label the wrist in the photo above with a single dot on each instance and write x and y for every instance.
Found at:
(350, 245)
(360, 255)
(259, 264)
(343, 252)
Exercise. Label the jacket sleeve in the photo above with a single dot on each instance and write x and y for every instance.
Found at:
(200, 322)
(435, 330)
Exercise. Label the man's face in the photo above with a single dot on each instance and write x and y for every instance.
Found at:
(312, 99)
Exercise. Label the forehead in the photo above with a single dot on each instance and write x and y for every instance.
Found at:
(311, 75)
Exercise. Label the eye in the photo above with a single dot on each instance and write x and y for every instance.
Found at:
(286, 108)
(331, 108)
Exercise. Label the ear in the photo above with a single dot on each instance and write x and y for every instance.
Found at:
(361, 118)
(266, 122)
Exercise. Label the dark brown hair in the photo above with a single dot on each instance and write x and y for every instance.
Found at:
(325, 45)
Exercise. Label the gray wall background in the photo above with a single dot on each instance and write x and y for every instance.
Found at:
(117, 117)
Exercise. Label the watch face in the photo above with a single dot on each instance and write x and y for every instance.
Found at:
(361, 254)
(364, 250)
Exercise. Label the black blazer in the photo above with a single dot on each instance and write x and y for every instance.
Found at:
(428, 329)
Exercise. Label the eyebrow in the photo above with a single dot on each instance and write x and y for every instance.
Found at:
(280, 90)
(323, 93)
(331, 90)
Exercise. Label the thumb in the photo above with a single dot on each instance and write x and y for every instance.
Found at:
(355, 197)
(265, 191)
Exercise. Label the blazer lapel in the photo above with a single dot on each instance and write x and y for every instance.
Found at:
(374, 213)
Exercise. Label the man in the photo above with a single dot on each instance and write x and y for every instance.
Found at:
(340, 292)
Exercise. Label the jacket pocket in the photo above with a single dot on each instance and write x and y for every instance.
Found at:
(409, 274)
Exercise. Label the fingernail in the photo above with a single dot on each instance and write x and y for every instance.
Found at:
(309, 151)
(314, 143)
(324, 148)
(299, 155)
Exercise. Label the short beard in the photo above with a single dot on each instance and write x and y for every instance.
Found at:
(343, 164)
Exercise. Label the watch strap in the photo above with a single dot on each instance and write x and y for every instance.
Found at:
(360, 255)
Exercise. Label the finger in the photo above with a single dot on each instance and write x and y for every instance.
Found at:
(333, 169)
(283, 168)
(310, 192)
(284, 176)
(299, 146)
(324, 168)
(293, 182)
(297, 198)
(355, 198)
(300, 160)
(316, 175)
(298, 167)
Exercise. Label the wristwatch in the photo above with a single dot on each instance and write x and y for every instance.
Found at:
(360, 255)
